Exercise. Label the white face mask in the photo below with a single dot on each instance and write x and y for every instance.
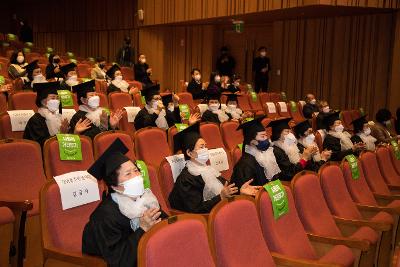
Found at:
(263, 54)
(367, 131)
(289, 139)
(94, 101)
(20, 59)
(154, 104)
(53, 105)
(197, 77)
(339, 128)
(133, 187)
(214, 107)
(309, 139)
(38, 78)
(326, 109)
(313, 102)
(118, 78)
(73, 78)
(217, 79)
(202, 156)
(236, 84)
(232, 106)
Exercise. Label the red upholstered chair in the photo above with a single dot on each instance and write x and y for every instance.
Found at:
(283, 109)
(211, 134)
(7, 220)
(101, 87)
(117, 100)
(6, 130)
(62, 230)
(319, 139)
(386, 166)
(347, 118)
(103, 140)
(54, 166)
(230, 136)
(171, 133)
(151, 145)
(21, 178)
(83, 70)
(275, 97)
(179, 242)
(3, 103)
(256, 104)
(125, 125)
(396, 162)
(127, 73)
(23, 100)
(166, 182)
(103, 100)
(318, 220)
(295, 111)
(264, 97)
(287, 236)
(136, 84)
(186, 98)
(244, 103)
(271, 110)
(236, 155)
(156, 188)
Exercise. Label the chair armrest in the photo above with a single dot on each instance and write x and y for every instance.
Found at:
(379, 226)
(17, 205)
(350, 242)
(386, 197)
(178, 212)
(74, 258)
(394, 187)
(362, 207)
(282, 260)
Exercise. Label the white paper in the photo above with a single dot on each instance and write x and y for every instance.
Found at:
(67, 113)
(271, 107)
(302, 103)
(19, 119)
(177, 163)
(202, 108)
(77, 189)
(283, 106)
(131, 113)
(218, 159)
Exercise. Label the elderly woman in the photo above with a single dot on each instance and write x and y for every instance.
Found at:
(17, 65)
(118, 84)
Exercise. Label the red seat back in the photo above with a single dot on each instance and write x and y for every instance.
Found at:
(372, 174)
(243, 102)
(156, 188)
(6, 130)
(3, 103)
(117, 100)
(396, 162)
(103, 140)
(166, 180)
(386, 166)
(23, 100)
(172, 131)
(255, 104)
(125, 125)
(211, 134)
(295, 111)
(347, 118)
(151, 145)
(83, 70)
(101, 87)
(136, 84)
(275, 97)
(137, 101)
(103, 100)
(127, 73)
(319, 140)
(186, 98)
(230, 136)
(264, 98)
(236, 155)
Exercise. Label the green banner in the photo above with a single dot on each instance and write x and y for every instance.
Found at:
(277, 194)
(29, 44)
(70, 146)
(240, 146)
(283, 95)
(2, 80)
(253, 96)
(181, 126)
(248, 119)
(11, 37)
(65, 98)
(145, 173)
(70, 54)
(107, 110)
(26, 50)
(86, 79)
(184, 108)
(49, 49)
(355, 172)
(362, 112)
(396, 149)
(293, 106)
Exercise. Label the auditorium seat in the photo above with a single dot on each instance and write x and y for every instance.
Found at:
(7, 220)
(283, 109)
(83, 70)
(101, 86)
(103, 140)
(156, 188)
(295, 111)
(230, 136)
(236, 155)
(396, 162)
(347, 118)
(125, 125)
(137, 101)
(151, 145)
(127, 73)
(319, 139)
(103, 100)
(386, 166)
(186, 98)
(264, 97)
(23, 100)
(172, 131)
(271, 110)
(6, 130)
(256, 104)
(211, 134)
(118, 100)
(135, 84)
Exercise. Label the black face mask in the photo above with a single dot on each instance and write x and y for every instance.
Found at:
(56, 60)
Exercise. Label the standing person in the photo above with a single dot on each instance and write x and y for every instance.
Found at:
(261, 69)
(17, 66)
(143, 71)
(25, 32)
(195, 86)
(225, 63)
(126, 53)
(98, 73)
(53, 68)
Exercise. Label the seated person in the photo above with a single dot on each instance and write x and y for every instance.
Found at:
(287, 155)
(127, 210)
(173, 114)
(224, 83)
(34, 75)
(214, 113)
(118, 84)
(337, 141)
(324, 109)
(258, 163)
(98, 73)
(91, 118)
(233, 87)
(53, 68)
(383, 130)
(234, 113)
(214, 86)
(362, 133)
(143, 71)
(199, 187)
(195, 86)
(47, 121)
(70, 76)
(306, 139)
(17, 65)
(311, 107)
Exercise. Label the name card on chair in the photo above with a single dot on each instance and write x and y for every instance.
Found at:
(218, 159)
(68, 113)
(77, 188)
(271, 107)
(131, 113)
(19, 119)
(177, 163)
(283, 106)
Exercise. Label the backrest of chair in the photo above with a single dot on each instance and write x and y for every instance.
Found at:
(319, 140)
(103, 100)
(396, 162)
(136, 84)
(156, 188)
(230, 136)
(103, 140)
(347, 118)
(83, 70)
(186, 98)
(236, 155)
(236, 236)
(101, 86)
(372, 174)
(151, 145)
(275, 97)
(255, 104)
(137, 101)
(54, 166)
(386, 166)
(283, 109)
(264, 97)
(358, 188)
(21, 170)
(6, 130)
(127, 73)
(243, 102)
(271, 110)
(125, 125)
(285, 235)
(172, 131)
(335, 192)
(180, 243)
(211, 134)
(23, 100)
(3, 103)
(311, 205)
(165, 179)
(295, 111)
(118, 100)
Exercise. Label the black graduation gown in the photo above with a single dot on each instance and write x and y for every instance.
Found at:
(320, 121)
(208, 116)
(112, 88)
(65, 86)
(109, 235)
(173, 116)
(309, 109)
(196, 90)
(261, 78)
(36, 129)
(288, 169)
(145, 119)
(187, 194)
(50, 74)
(141, 74)
(312, 165)
(356, 139)
(231, 89)
(333, 143)
(91, 132)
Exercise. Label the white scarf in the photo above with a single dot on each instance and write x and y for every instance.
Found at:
(122, 85)
(53, 120)
(266, 159)
(221, 115)
(92, 115)
(161, 121)
(292, 151)
(236, 113)
(369, 141)
(71, 83)
(134, 209)
(345, 140)
(212, 186)
(42, 80)
(317, 155)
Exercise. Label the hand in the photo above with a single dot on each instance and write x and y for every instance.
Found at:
(149, 219)
(326, 155)
(64, 126)
(175, 97)
(6, 88)
(314, 150)
(194, 118)
(149, 70)
(228, 190)
(133, 90)
(248, 189)
(160, 106)
(57, 70)
(358, 147)
(104, 119)
(264, 70)
(115, 117)
(307, 153)
(82, 125)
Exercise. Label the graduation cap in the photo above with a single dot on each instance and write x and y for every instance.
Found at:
(278, 126)
(67, 68)
(31, 67)
(166, 99)
(149, 91)
(251, 128)
(359, 123)
(44, 89)
(109, 161)
(330, 118)
(231, 97)
(110, 73)
(301, 128)
(187, 138)
(82, 89)
(213, 96)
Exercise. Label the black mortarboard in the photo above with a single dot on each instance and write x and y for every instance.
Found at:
(187, 138)
(278, 126)
(301, 128)
(149, 91)
(251, 128)
(31, 67)
(67, 68)
(359, 123)
(111, 71)
(82, 89)
(231, 97)
(330, 118)
(44, 89)
(109, 161)
(213, 96)
(166, 99)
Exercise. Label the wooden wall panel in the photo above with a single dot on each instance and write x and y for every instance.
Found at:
(394, 83)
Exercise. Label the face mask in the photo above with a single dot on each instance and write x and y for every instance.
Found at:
(56, 60)
(20, 59)
(133, 187)
(197, 77)
(202, 156)
(289, 139)
(263, 54)
(118, 78)
(73, 78)
(388, 123)
(263, 145)
(232, 106)
(53, 105)
(314, 101)
(38, 77)
(309, 139)
(143, 60)
(367, 131)
(217, 79)
(94, 101)
(154, 104)
(214, 107)
(236, 84)
(325, 109)
(339, 128)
